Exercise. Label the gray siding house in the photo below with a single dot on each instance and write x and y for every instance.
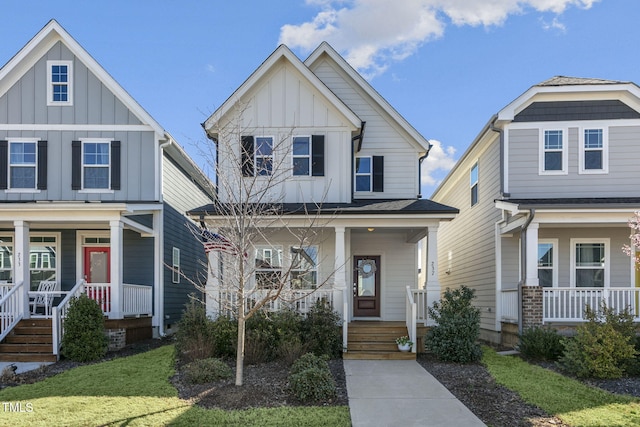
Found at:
(545, 193)
(92, 199)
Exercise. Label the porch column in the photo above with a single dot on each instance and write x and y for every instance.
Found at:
(339, 280)
(531, 255)
(212, 289)
(116, 269)
(21, 263)
(431, 269)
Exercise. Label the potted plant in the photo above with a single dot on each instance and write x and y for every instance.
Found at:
(404, 343)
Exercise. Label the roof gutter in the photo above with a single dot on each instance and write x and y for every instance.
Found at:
(420, 159)
(523, 263)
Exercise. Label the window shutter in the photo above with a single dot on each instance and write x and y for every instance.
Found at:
(247, 155)
(115, 165)
(4, 164)
(378, 173)
(76, 165)
(317, 155)
(42, 165)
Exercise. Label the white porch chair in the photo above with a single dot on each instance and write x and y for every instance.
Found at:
(43, 296)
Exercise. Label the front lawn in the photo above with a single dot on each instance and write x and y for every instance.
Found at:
(570, 400)
(135, 391)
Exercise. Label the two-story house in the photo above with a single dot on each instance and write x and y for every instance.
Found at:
(545, 193)
(93, 196)
(341, 155)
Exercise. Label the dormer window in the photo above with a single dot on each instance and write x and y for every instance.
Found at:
(59, 83)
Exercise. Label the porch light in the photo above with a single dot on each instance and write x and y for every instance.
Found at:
(370, 229)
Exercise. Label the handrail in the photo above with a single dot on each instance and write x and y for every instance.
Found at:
(410, 313)
(12, 309)
(345, 320)
(59, 313)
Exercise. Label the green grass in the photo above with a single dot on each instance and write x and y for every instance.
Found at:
(572, 401)
(135, 391)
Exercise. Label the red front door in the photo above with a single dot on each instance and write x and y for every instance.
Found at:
(97, 265)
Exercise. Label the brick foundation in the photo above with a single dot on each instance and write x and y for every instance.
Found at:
(531, 306)
(117, 338)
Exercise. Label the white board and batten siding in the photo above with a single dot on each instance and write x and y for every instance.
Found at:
(525, 181)
(284, 104)
(466, 245)
(382, 135)
(179, 190)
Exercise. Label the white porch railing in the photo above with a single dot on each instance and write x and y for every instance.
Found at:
(5, 288)
(345, 319)
(422, 305)
(11, 310)
(568, 304)
(101, 293)
(410, 315)
(137, 300)
(298, 300)
(59, 313)
(509, 305)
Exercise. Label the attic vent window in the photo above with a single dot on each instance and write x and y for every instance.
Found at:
(59, 83)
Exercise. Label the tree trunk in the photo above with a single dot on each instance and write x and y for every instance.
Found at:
(240, 351)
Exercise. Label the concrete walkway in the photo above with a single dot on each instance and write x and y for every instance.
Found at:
(401, 393)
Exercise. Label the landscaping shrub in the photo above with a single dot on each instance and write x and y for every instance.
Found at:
(207, 370)
(322, 332)
(454, 337)
(84, 339)
(602, 347)
(194, 338)
(224, 332)
(290, 349)
(310, 379)
(257, 347)
(308, 361)
(541, 343)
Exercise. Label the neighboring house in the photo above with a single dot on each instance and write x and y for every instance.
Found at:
(93, 195)
(366, 183)
(545, 193)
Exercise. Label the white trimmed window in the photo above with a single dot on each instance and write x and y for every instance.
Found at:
(548, 263)
(594, 151)
(364, 173)
(304, 267)
(268, 266)
(6, 259)
(264, 155)
(473, 184)
(96, 164)
(43, 263)
(553, 152)
(301, 155)
(59, 83)
(175, 263)
(590, 263)
(22, 164)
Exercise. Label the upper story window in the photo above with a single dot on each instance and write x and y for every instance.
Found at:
(264, 155)
(473, 183)
(95, 165)
(301, 154)
(59, 83)
(553, 152)
(369, 174)
(22, 164)
(593, 151)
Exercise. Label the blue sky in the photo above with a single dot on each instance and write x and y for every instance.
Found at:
(446, 65)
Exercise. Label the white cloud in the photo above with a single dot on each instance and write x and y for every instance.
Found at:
(439, 162)
(372, 34)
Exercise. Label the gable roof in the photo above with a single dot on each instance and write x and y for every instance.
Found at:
(572, 81)
(283, 52)
(325, 49)
(46, 38)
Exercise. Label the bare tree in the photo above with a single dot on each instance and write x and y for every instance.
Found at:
(250, 223)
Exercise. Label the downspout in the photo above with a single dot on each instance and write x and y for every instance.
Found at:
(502, 159)
(159, 251)
(359, 139)
(523, 264)
(420, 159)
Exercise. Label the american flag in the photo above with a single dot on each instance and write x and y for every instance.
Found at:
(216, 242)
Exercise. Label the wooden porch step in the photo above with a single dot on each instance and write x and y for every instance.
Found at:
(30, 341)
(373, 340)
(378, 355)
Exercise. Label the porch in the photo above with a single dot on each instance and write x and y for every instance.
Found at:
(31, 328)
